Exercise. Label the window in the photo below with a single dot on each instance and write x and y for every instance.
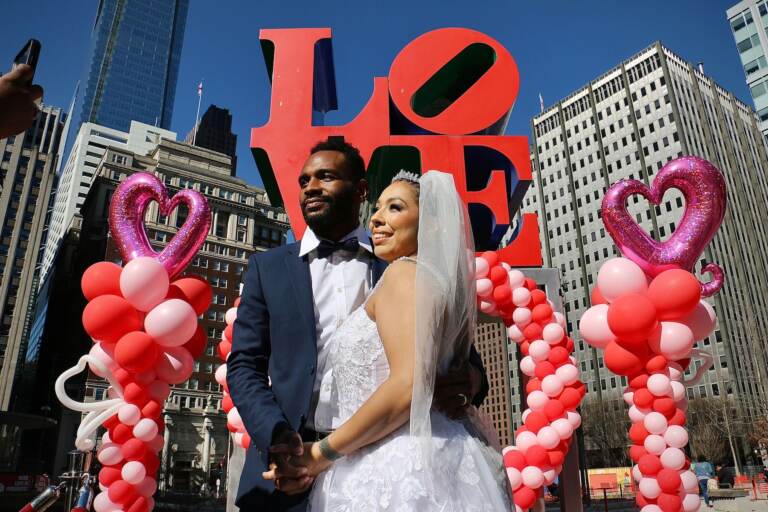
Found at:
(119, 159)
(222, 221)
(242, 220)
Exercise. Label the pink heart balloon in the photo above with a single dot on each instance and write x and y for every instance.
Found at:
(704, 189)
(126, 221)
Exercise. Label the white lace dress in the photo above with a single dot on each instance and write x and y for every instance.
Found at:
(387, 475)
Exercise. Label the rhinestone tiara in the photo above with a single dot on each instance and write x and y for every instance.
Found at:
(404, 175)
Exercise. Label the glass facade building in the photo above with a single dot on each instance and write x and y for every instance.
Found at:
(134, 62)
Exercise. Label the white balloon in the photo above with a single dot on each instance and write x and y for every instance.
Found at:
(528, 366)
(533, 477)
(539, 350)
(568, 374)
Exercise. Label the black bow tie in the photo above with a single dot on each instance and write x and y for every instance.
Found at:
(326, 248)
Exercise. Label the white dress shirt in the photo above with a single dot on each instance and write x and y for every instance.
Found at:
(340, 284)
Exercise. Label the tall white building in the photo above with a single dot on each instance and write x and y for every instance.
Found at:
(748, 20)
(76, 178)
(628, 123)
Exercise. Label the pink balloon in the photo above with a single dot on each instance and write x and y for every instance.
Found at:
(655, 423)
(654, 444)
(104, 353)
(691, 502)
(515, 334)
(129, 414)
(678, 390)
(702, 320)
(649, 487)
(559, 318)
(548, 437)
(673, 340)
(568, 374)
(515, 478)
(521, 317)
(157, 443)
(690, 481)
(532, 477)
(521, 296)
(551, 385)
(552, 333)
(230, 316)
(234, 419)
(637, 475)
(134, 472)
(651, 508)
(171, 323)
(481, 268)
(676, 436)
(147, 487)
(593, 326)
(620, 276)
(484, 287)
(628, 397)
(705, 198)
(516, 279)
(145, 430)
(635, 414)
(525, 440)
(659, 385)
(563, 428)
(539, 350)
(101, 503)
(126, 221)
(549, 476)
(144, 283)
(175, 365)
(487, 306)
(110, 454)
(221, 374)
(673, 458)
(574, 419)
(536, 400)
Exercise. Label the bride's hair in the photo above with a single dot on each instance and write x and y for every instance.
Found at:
(408, 177)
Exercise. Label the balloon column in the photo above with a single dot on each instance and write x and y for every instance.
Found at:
(234, 421)
(647, 314)
(553, 388)
(143, 322)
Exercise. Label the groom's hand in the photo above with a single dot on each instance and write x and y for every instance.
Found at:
(290, 477)
(455, 390)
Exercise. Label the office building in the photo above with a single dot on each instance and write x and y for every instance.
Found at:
(133, 65)
(491, 344)
(628, 123)
(75, 180)
(214, 131)
(748, 20)
(27, 174)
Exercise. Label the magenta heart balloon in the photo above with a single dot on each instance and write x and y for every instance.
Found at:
(704, 189)
(126, 221)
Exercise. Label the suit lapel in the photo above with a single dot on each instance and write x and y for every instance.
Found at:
(301, 281)
(379, 266)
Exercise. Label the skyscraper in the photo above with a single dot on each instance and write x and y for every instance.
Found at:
(752, 43)
(214, 131)
(134, 62)
(27, 174)
(628, 123)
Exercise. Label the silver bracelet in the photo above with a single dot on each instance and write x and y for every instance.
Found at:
(328, 452)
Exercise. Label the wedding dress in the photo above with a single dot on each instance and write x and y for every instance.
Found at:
(388, 475)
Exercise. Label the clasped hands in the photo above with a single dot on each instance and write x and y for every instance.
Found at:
(294, 464)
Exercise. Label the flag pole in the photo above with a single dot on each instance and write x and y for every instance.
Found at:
(197, 116)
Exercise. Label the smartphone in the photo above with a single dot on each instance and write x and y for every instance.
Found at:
(28, 55)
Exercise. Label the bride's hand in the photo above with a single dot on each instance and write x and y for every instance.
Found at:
(313, 459)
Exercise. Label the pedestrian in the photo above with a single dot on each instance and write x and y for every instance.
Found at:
(704, 472)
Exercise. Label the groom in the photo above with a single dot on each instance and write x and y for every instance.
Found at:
(294, 298)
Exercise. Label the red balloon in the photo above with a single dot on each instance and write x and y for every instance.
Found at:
(570, 398)
(636, 452)
(140, 505)
(544, 368)
(558, 356)
(246, 440)
(536, 456)
(639, 381)
(568, 344)
(649, 464)
(228, 332)
(623, 362)
(196, 344)
(491, 257)
(194, 290)
(533, 385)
(669, 480)
(597, 297)
(532, 332)
(506, 309)
(556, 457)
(102, 278)
(675, 293)
(224, 349)
(121, 433)
(226, 403)
(657, 363)
(111, 422)
(121, 492)
(502, 294)
(151, 463)
(643, 398)
(665, 406)
(123, 376)
(524, 346)
(109, 474)
(669, 502)
(514, 459)
(541, 313)
(152, 409)
(554, 409)
(538, 297)
(524, 497)
(135, 394)
(136, 351)
(237, 302)
(530, 284)
(638, 433)
(498, 276)
(109, 317)
(133, 449)
(678, 418)
(631, 317)
(535, 421)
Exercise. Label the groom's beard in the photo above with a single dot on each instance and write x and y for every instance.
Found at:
(340, 209)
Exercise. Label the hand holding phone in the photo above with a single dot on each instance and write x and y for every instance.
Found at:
(18, 96)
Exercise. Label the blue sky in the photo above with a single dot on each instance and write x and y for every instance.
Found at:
(558, 45)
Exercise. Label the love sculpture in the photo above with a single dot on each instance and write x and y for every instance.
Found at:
(444, 105)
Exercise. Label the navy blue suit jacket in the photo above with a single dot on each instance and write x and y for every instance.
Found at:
(275, 339)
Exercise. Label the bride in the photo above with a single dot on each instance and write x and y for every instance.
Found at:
(391, 450)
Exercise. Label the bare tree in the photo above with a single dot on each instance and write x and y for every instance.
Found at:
(605, 427)
(706, 427)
